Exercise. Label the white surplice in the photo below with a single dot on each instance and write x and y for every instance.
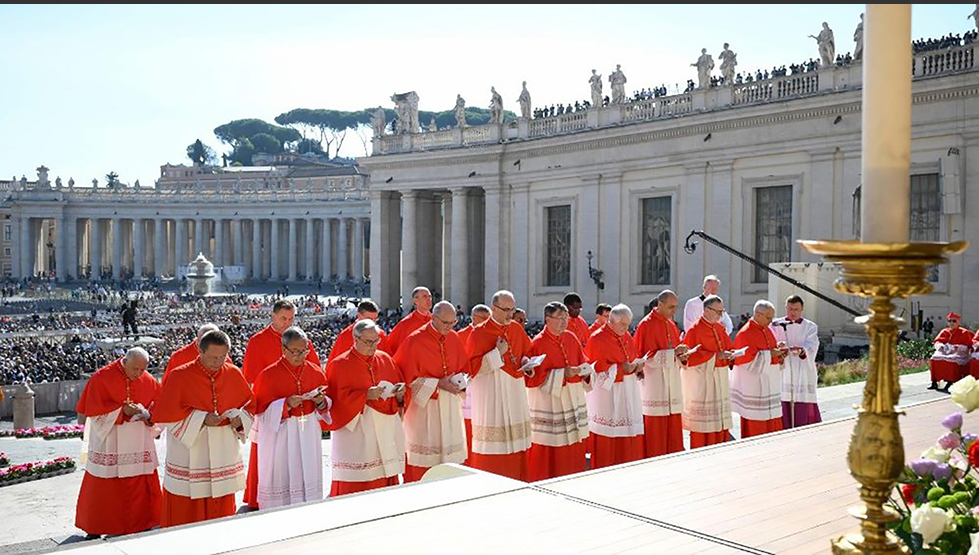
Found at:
(558, 411)
(290, 457)
(500, 413)
(370, 447)
(119, 451)
(615, 408)
(662, 394)
(799, 377)
(205, 461)
(706, 398)
(434, 431)
(755, 388)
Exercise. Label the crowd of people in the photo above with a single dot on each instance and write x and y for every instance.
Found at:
(401, 394)
(948, 41)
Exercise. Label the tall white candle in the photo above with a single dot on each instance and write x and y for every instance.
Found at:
(885, 207)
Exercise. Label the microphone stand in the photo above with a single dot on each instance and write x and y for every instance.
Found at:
(784, 324)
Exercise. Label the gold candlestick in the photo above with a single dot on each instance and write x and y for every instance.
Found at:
(880, 271)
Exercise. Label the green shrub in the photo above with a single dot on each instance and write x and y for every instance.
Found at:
(916, 349)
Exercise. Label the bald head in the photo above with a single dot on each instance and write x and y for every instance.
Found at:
(666, 304)
(206, 328)
(502, 306)
(444, 310)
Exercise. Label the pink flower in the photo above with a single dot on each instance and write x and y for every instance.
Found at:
(949, 441)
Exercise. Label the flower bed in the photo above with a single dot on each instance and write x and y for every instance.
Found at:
(20, 473)
(49, 432)
(855, 370)
(6, 433)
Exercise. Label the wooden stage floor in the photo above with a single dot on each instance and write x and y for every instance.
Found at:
(781, 493)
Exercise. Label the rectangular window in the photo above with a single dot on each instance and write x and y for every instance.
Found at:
(558, 220)
(773, 227)
(6, 232)
(656, 230)
(926, 212)
(6, 251)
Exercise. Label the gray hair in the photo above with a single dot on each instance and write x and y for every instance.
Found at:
(621, 312)
(443, 305)
(136, 352)
(480, 309)
(710, 278)
(665, 295)
(760, 304)
(206, 328)
(502, 293)
(712, 300)
(419, 289)
(364, 325)
(293, 333)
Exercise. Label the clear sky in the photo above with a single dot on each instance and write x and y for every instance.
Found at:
(86, 90)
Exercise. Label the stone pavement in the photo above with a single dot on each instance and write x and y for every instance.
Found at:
(39, 515)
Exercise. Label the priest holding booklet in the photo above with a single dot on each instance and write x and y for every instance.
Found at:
(368, 393)
(435, 366)
(706, 393)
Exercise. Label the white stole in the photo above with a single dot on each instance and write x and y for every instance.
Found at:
(615, 409)
(561, 419)
(500, 413)
(204, 461)
(370, 447)
(662, 394)
(290, 457)
(706, 398)
(434, 431)
(956, 354)
(118, 451)
(755, 388)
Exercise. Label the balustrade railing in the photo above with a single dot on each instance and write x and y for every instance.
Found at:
(937, 62)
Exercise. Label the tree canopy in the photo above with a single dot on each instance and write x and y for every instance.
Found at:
(243, 134)
(201, 154)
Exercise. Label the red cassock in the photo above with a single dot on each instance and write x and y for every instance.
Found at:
(595, 326)
(481, 340)
(426, 353)
(403, 329)
(282, 380)
(562, 351)
(464, 334)
(605, 348)
(187, 353)
(263, 350)
(712, 339)
(353, 374)
(974, 362)
(947, 369)
(345, 341)
(579, 327)
(756, 338)
(193, 387)
(100, 499)
(663, 434)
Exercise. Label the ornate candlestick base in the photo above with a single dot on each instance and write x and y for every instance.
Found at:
(880, 271)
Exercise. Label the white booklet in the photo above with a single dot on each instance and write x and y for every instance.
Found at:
(739, 352)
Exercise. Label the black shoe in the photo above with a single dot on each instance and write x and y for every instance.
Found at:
(945, 389)
(934, 385)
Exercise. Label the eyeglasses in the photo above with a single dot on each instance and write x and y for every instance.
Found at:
(714, 309)
(451, 322)
(369, 343)
(505, 310)
(296, 353)
(561, 318)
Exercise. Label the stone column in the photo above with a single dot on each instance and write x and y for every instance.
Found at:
(256, 248)
(342, 249)
(310, 249)
(71, 237)
(239, 254)
(198, 237)
(27, 248)
(138, 247)
(95, 250)
(326, 268)
(61, 248)
(409, 246)
(385, 236)
(274, 251)
(493, 247)
(293, 247)
(159, 248)
(180, 251)
(116, 247)
(459, 271)
(218, 242)
(358, 271)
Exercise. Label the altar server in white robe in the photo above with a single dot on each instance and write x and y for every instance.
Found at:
(799, 376)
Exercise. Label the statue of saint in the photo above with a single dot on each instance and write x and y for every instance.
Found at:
(57, 182)
(858, 38)
(432, 126)
(71, 183)
(827, 46)
(729, 61)
(460, 111)
(496, 107)
(524, 100)
(704, 64)
(618, 81)
(377, 122)
(974, 15)
(95, 183)
(596, 88)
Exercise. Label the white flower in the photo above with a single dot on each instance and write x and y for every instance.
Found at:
(929, 522)
(936, 454)
(965, 393)
(974, 548)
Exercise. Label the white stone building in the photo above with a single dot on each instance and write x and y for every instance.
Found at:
(757, 165)
(277, 223)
